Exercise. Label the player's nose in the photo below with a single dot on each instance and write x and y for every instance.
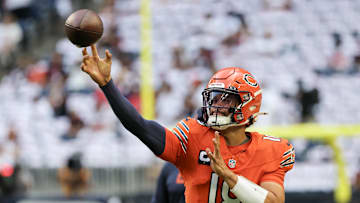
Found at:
(218, 111)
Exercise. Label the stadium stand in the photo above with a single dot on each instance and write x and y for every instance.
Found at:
(46, 97)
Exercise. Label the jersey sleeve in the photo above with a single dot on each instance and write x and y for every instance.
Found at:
(176, 141)
(284, 164)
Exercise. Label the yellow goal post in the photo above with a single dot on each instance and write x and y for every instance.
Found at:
(147, 95)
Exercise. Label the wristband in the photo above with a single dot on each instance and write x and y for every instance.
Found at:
(248, 192)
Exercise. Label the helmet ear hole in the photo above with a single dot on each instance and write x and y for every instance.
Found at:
(238, 116)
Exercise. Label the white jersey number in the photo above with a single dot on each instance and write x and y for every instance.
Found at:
(225, 190)
(267, 137)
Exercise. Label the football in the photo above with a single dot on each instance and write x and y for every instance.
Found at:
(84, 27)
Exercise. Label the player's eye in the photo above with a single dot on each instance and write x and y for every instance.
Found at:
(215, 101)
(227, 100)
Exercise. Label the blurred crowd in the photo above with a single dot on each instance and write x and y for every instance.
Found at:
(305, 53)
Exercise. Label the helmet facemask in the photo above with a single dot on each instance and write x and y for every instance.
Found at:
(221, 107)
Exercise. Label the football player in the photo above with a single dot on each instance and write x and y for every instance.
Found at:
(170, 186)
(219, 160)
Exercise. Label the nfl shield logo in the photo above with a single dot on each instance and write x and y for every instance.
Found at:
(232, 163)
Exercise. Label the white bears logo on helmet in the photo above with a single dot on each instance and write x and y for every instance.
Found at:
(250, 80)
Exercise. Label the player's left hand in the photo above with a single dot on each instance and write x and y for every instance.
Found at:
(217, 162)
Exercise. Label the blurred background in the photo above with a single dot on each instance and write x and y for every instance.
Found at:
(60, 141)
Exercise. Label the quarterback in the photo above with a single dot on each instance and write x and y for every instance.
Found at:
(219, 160)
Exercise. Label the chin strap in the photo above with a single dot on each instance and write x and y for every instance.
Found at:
(219, 120)
(222, 125)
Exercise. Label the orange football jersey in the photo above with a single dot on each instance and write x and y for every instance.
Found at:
(263, 158)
